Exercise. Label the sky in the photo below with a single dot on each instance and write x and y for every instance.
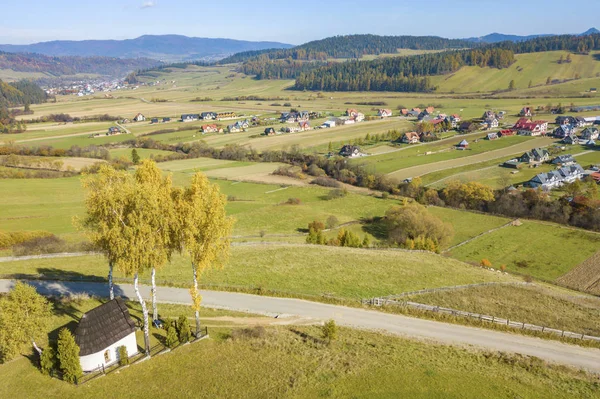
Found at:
(293, 22)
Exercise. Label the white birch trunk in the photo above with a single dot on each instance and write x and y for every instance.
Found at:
(145, 313)
(154, 304)
(111, 287)
(196, 312)
(37, 348)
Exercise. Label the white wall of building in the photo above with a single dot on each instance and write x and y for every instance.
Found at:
(95, 360)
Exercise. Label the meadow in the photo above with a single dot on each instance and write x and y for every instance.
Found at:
(293, 362)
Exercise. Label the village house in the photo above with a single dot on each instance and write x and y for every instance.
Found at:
(359, 117)
(101, 332)
(210, 128)
(404, 112)
(384, 113)
(563, 160)
(491, 123)
(343, 120)
(571, 139)
(225, 115)
(563, 131)
(410, 138)
(535, 128)
(467, 126)
(507, 132)
(269, 132)
(328, 124)
(190, 117)
(583, 122)
(545, 181)
(153, 120)
(351, 112)
(304, 125)
(208, 116)
(165, 120)
(291, 129)
(492, 136)
(536, 155)
(430, 110)
(351, 151)
(589, 133)
(526, 111)
(566, 120)
(454, 120)
(139, 118)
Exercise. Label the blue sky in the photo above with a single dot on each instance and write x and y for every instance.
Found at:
(291, 22)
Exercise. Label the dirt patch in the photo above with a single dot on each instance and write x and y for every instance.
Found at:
(585, 277)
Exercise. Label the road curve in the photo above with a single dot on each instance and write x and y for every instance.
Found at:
(551, 351)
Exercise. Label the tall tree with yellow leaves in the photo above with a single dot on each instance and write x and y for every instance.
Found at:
(201, 230)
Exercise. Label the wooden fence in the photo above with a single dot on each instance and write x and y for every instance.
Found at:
(452, 288)
(478, 316)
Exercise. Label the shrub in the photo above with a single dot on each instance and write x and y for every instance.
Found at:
(172, 338)
(68, 356)
(385, 195)
(316, 225)
(8, 239)
(326, 182)
(485, 263)
(48, 360)
(314, 170)
(413, 227)
(41, 245)
(123, 356)
(337, 193)
(329, 331)
(293, 201)
(183, 330)
(332, 222)
(290, 171)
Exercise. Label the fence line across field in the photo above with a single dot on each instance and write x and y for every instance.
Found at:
(478, 316)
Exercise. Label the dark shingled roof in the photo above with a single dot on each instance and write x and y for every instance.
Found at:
(103, 326)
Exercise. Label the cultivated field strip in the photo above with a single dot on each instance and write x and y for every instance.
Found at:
(585, 277)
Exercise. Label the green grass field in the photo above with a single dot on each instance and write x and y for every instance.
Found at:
(541, 250)
(295, 270)
(536, 305)
(144, 153)
(534, 68)
(292, 362)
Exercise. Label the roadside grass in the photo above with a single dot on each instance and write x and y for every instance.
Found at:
(539, 305)
(291, 270)
(293, 362)
(545, 251)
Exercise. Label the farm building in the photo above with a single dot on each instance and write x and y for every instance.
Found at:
(154, 120)
(139, 118)
(165, 120)
(328, 124)
(492, 136)
(225, 115)
(463, 145)
(513, 164)
(100, 333)
(507, 132)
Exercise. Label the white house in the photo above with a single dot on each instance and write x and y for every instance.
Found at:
(101, 332)
(139, 118)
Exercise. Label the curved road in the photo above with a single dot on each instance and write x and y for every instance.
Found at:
(552, 351)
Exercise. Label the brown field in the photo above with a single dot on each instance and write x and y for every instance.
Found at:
(585, 277)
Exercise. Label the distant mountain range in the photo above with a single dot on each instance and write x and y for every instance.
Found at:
(500, 37)
(170, 48)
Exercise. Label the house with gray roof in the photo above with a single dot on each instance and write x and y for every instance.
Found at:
(101, 332)
(536, 155)
(563, 160)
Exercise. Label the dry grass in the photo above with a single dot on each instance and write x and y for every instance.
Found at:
(585, 277)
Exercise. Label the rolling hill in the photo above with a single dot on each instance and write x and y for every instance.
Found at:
(501, 37)
(531, 67)
(170, 48)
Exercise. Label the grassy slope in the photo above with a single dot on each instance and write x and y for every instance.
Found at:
(296, 269)
(536, 305)
(283, 364)
(534, 67)
(541, 250)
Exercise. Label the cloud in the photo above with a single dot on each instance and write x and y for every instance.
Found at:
(148, 4)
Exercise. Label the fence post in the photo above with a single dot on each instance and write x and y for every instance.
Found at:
(543, 328)
(507, 322)
(493, 317)
(563, 333)
(523, 325)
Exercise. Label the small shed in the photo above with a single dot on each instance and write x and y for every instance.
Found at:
(463, 145)
(100, 333)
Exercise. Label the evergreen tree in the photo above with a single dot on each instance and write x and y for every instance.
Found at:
(171, 338)
(135, 158)
(183, 329)
(511, 85)
(329, 331)
(48, 360)
(68, 356)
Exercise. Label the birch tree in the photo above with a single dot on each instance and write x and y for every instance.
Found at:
(202, 230)
(159, 213)
(107, 200)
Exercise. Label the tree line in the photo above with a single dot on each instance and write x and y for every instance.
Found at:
(351, 46)
(23, 92)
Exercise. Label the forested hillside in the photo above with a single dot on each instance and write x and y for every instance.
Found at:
(69, 65)
(13, 94)
(351, 46)
(398, 73)
(406, 73)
